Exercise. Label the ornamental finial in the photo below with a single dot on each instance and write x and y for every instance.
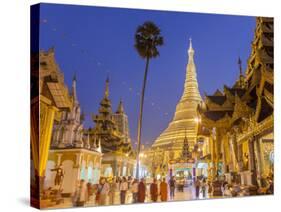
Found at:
(190, 45)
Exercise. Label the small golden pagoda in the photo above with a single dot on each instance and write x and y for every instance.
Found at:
(118, 154)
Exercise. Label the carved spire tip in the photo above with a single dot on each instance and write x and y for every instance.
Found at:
(190, 49)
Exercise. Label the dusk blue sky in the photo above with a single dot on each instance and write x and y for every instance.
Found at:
(97, 42)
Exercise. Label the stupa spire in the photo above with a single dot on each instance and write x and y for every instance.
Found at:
(183, 127)
(240, 66)
(190, 49)
(120, 108)
(191, 91)
(106, 93)
(74, 92)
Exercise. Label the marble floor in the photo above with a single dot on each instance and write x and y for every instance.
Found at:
(187, 194)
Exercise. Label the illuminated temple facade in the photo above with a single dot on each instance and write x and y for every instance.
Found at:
(111, 131)
(66, 146)
(238, 121)
(103, 150)
(184, 124)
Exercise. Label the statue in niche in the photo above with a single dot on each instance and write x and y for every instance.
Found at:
(59, 175)
(246, 161)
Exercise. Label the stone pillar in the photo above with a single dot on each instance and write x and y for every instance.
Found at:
(128, 169)
(115, 168)
(235, 150)
(224, 150)
(76, 171)
(218, 142)
(122, 168)
(213, 158)
(252, 161)
(258, 155)
(76, 177)
(240, 157)
(59, 155)
(57, 139)
(119, 167)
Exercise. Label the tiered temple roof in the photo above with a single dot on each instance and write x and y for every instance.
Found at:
(245, 99)
(51, 81)
(105, 130)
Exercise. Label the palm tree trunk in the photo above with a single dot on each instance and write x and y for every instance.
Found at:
(140, 118)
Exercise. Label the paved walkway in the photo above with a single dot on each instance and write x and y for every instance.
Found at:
(187, 194)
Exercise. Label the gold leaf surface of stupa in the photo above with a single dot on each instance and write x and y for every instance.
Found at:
(185, 118)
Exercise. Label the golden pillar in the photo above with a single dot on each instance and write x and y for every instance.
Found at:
(34, 131)
(47, 114)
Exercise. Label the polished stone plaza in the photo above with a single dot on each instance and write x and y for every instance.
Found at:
(187, 194)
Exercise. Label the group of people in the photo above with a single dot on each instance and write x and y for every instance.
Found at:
(265, 185)
(138, 191)
(201, 186)
(107, 189)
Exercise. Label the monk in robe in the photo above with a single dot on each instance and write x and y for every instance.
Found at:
(141, 191)
(163, 190)
(154, 191)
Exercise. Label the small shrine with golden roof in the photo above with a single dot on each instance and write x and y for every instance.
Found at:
(118, 156)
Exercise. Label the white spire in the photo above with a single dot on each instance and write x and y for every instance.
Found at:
(190, 50)
(190, 44)
(106, 93)
(74, 92)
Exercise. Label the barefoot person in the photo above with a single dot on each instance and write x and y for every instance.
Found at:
(102, 192)
(163, 190)
(135, 189)
(172, 184)
(123, 190)
(142, 191)
(154, 191)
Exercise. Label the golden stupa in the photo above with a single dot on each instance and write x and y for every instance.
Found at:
(185, 121)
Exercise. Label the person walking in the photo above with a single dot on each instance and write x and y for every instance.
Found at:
(123, 190)
(89, 190)
(197, 187)
(227, 191)
(203, 187)
(141, 191)
(102, 192)
(130, 182)
(135, 188)
(112, 190)
(154, 191)
(82, 198)
(210, 188)
(270, 186)
(172, 184)
(75, 196)
(163, 190)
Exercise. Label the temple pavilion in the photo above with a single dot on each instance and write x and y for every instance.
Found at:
(49, 93)
(70, 150)
(111, 132)
(239, 119)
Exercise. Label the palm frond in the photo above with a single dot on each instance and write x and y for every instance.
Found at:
(147, 39)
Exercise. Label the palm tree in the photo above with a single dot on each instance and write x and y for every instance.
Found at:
(147, 39)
